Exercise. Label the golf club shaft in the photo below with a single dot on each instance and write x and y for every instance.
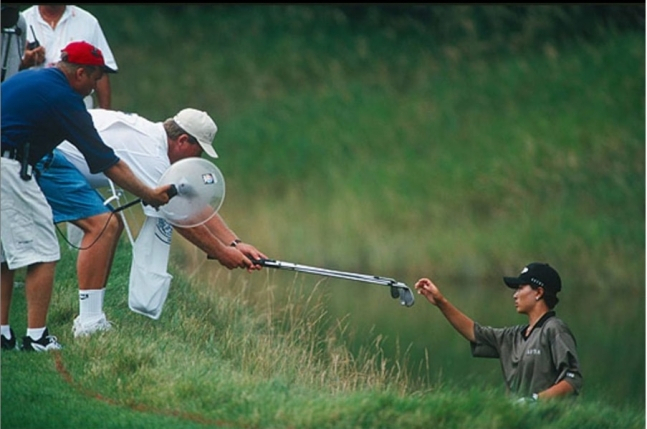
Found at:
(398, 289)
(326, 272)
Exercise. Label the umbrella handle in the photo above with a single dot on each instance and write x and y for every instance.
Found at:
(172, 191)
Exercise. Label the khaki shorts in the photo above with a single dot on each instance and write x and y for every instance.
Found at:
(27, 229)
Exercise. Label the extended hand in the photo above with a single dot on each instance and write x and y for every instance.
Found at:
(429, 290)
(252, 253)
(32, 57)
(231, 257)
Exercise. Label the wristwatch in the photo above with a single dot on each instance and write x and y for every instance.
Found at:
(235, 242)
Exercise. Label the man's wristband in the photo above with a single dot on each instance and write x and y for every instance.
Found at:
(235, 242)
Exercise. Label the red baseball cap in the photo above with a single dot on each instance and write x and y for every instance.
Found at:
(85, 54)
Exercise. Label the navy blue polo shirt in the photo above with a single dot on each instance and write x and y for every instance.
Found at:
(40, 107)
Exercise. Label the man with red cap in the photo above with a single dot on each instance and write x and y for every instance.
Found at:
(53, 26)
(40, 109)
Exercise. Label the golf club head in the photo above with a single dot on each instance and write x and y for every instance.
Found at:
(395, 292)
(200, 190)
(406, 297)
(400, 290)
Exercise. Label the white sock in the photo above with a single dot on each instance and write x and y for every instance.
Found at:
(36, 333)
(5, 331)
(91, 304)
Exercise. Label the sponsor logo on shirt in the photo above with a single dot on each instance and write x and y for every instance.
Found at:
(163, 231)
(534, 352)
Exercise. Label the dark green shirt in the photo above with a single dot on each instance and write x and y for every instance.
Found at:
(534, 363)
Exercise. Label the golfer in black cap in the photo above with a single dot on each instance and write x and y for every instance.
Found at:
(539, 360)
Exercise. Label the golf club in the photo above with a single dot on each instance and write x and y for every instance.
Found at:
(398, 289)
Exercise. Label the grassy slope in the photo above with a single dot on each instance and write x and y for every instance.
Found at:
(217, 360)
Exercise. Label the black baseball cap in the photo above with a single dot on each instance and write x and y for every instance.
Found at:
(537, 274)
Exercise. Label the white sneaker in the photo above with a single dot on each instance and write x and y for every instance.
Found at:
(84, 329)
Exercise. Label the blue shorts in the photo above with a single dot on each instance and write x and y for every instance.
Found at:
(67, 191)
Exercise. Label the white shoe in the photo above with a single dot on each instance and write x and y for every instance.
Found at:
(84, 328)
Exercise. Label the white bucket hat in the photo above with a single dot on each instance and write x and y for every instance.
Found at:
(200, 125)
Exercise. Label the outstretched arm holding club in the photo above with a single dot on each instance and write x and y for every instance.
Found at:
(219, 242)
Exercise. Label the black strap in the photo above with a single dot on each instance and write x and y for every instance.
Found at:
(23, 156)
(6, 56)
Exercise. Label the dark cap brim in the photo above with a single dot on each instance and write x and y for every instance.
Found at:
(513, 282)
(107, 69)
